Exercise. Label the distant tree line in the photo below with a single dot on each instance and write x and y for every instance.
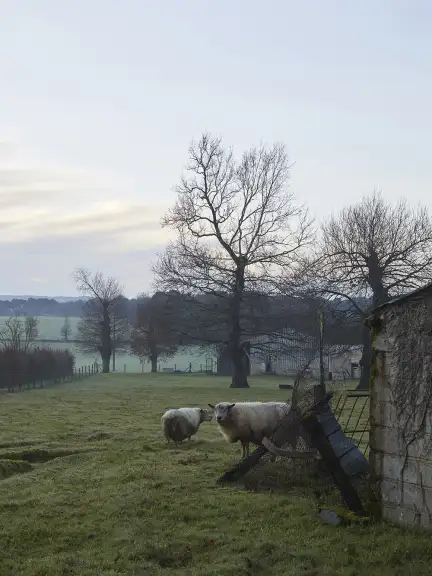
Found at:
(49, 307)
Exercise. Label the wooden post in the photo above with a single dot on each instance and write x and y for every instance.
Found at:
(320, 390)
(243, 467)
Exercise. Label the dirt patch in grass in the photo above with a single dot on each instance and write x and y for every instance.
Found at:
(11, 467)
(310, 478)
(38, 455)
(18, 444)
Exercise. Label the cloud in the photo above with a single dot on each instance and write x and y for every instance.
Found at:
(54, 219)
(54, 260)
(40, 202)
(131, 226)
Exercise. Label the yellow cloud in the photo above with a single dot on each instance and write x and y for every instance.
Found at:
(137, 225)
(38, 203)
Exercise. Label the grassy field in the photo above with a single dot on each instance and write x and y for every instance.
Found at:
(91, 488)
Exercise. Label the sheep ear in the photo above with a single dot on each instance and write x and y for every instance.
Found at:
(231, 406)
(211, 406)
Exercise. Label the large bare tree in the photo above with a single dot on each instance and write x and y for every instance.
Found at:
(104, 326)
(236, 225)
(371, 251)
(154, 335)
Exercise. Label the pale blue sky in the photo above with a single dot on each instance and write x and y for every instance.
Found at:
(99, 100)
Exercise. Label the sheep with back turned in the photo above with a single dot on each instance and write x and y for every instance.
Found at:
(182, 423)
(248, 421)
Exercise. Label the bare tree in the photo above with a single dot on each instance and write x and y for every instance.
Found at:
(103, 314)
(66, 329)
(154, 335)
(370, 252)
(18, 334)
(236, 225)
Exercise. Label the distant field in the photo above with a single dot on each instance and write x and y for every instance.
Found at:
(99, 492)
(49, 326)
(49, 329)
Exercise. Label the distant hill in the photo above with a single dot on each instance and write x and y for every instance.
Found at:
(8, 297)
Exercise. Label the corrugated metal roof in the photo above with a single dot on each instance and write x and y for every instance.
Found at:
(398, 299)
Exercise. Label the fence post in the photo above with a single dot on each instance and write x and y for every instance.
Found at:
(190, 367)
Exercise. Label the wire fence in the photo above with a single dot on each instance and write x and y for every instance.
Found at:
(352, 410)
(198, 367)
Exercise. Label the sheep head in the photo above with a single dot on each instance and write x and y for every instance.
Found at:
(222, 411)
(205, 415)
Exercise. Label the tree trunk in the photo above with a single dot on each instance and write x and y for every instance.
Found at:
(380, 295)
(365, 362)
(239, 377)
(153, 360)
(106, 344)
(106, 363)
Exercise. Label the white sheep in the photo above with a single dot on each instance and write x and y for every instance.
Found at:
(248, 421)
(179, 424)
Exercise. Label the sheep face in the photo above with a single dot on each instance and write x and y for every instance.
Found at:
(205, 415)
(222, 412)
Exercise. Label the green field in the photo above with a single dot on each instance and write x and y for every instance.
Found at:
(49, 329)
(105, 495)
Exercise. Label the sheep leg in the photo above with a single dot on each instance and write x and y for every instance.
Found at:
(245, 449)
